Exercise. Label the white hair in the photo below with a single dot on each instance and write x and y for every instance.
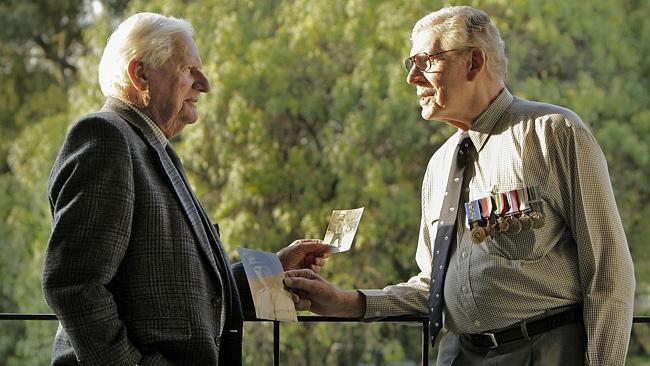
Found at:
(148, 37)
(464, 26)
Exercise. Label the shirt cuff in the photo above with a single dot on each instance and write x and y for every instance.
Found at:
(374, 303)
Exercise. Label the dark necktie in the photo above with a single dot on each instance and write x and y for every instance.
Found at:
(218, 254)
(446, 235)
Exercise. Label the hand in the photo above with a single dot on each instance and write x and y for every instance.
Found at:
(311, 292)
(305, 254)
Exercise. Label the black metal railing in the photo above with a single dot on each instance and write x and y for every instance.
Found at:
(423, 320)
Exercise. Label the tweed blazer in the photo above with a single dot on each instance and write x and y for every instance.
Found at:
(134, 270)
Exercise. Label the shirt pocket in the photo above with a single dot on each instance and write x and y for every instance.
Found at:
(519, 246)
(529, 244)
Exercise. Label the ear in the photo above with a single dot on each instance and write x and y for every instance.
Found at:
(138, 75)
(476, 63)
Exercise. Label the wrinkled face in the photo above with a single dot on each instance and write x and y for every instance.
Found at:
(439, 89)
(174, 88)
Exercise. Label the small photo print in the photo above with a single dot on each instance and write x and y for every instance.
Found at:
(342, 228)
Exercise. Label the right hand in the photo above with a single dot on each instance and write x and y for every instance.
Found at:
(305, 254)
(321, 297)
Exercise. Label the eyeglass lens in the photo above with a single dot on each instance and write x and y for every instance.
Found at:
(421, 61)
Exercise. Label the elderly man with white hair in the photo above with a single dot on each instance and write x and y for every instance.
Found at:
(134, 269)
(520, 243)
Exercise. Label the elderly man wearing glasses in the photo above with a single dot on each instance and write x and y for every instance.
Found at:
(521, 244)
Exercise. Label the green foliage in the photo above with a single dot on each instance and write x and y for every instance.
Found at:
(309, 111)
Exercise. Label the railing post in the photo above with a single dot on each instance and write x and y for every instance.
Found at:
(425, 342)
(276, 343)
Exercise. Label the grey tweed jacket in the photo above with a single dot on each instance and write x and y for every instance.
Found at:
(134, 270)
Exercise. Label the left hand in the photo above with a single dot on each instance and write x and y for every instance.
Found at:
(311, 292)
(305, 254)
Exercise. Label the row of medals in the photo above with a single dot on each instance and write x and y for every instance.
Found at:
(505, 212)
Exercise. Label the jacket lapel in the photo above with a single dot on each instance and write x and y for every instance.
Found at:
(177, 184)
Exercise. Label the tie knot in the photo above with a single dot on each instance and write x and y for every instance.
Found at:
(464, 147)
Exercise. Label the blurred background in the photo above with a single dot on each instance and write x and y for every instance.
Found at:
(310, 112)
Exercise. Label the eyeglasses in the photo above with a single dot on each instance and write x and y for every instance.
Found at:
(423, 60)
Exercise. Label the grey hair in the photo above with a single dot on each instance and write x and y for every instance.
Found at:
(148, 37)
(464, 26)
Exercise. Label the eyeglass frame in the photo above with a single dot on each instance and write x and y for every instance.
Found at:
(412, 62)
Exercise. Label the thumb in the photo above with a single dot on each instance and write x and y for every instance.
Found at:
(316, 247)
(298, 283)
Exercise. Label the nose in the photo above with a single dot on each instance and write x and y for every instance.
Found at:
(415, 76)
(201, 82)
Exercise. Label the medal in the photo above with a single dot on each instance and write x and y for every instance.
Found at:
(525, 221)
(486, 211)
(473, 213)
(490, 229)
(515, 225)
(537, 219)
(537, 216)
(478, 234)
(524, 207)
(500, 207)
(504, 224)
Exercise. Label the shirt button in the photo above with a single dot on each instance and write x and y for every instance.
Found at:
(456, 180)
(442, 222)
(464, 254)
(437, 325)
(464, 288)
(437, 296)
(477, 323)
(437, 252)
(377, 313)
(451, 209)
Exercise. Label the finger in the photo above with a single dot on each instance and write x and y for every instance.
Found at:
(294, 297)
(315, 268)
(305, 241)
(307, 273)
(321, 246)
(303, 304)
(299, 283)
(313, 246)
(319, 261)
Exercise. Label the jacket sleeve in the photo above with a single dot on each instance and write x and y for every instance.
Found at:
(244, 290)
(91, 196)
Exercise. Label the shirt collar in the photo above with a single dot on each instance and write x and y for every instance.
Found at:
(154, 127)
(484, 124)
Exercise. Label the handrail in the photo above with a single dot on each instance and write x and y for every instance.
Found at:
(423, 320)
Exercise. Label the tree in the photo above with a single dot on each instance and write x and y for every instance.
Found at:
(41, 43)
(309, 112)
